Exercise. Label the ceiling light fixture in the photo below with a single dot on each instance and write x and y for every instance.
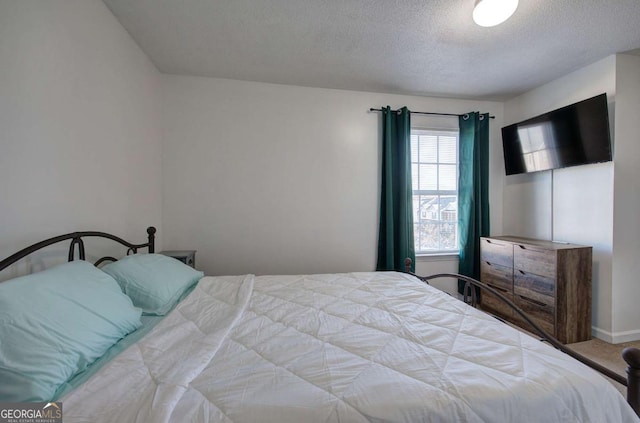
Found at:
(493, 12)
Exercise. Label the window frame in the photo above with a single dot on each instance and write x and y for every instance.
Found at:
(437, 132)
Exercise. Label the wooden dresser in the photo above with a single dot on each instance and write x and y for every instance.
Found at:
(550, 281)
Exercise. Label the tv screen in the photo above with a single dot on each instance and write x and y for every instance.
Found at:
(573, 135)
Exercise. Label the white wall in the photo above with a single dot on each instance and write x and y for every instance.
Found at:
(595, 204)
(626, 228)
(79, 118)
(429, 265)
(272, 179)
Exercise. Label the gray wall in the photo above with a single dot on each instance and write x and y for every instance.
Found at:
(271, 179)
(80, 139)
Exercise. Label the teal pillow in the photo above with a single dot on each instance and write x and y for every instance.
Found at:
(55, 323)
(154, 282)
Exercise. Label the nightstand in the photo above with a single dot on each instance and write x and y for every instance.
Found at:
(188, 257)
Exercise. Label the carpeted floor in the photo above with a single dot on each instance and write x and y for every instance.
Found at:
(609, 355)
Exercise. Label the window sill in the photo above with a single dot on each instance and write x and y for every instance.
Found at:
(437, 257)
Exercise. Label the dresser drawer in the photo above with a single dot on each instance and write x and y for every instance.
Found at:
(532, 260)
(495, 305)
(534, 286)
(496, 252)
(542, 314)
(496, 275)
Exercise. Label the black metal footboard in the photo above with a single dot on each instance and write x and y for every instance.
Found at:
(630, 355)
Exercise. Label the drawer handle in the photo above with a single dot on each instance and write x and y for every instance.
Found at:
(529, 300)
(501, 290)
(488, 264)
(488, 241)
(522, 246)
(521, 272)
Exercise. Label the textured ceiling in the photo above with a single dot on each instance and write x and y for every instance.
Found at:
(428, 47)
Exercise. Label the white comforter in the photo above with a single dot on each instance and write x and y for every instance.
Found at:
(339, 348)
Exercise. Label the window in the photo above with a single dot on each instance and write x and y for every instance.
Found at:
(434, 173)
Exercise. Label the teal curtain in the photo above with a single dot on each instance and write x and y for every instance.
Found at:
(395, 235)
(473, 192)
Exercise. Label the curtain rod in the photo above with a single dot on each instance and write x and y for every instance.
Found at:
(427, 113)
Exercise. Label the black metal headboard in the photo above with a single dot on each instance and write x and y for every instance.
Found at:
(76, 240)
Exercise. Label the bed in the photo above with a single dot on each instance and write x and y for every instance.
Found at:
(357, 347)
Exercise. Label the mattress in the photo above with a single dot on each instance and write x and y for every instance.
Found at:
(357, 347)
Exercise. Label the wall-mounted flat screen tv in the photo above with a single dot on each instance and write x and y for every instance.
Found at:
(570, 136)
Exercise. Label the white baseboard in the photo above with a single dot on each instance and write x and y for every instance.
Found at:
(602, 334)
(615, 337)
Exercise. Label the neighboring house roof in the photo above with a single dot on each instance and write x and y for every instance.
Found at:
(437, 205)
